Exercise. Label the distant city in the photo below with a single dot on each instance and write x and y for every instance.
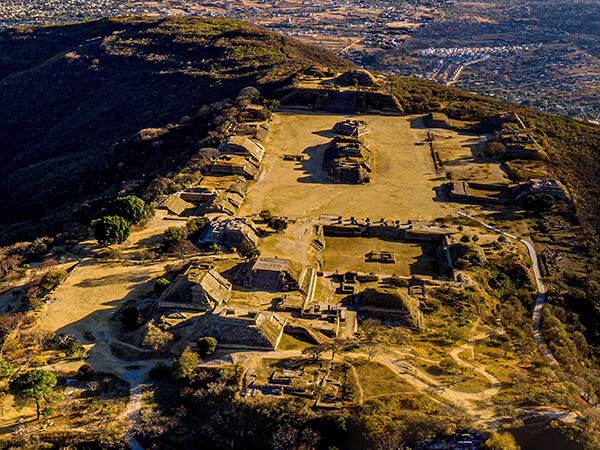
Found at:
(549, 69)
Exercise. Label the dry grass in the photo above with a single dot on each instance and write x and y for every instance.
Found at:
(378, 380)
(345, 254)
(460, 155)
(403, 175)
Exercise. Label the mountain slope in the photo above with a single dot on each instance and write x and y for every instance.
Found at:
(71, 93)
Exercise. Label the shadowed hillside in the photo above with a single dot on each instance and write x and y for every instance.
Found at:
(71, 95)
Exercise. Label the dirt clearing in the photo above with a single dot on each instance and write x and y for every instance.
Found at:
(346, 254)
(401, 184)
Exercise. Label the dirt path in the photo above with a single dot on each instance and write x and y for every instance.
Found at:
(478, 405)
(541, 295)
(136, 378)
(360, 388)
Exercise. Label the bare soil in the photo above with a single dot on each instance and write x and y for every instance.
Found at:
(402, 180)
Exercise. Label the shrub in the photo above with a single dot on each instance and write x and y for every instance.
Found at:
(399, 282)
(465, 238)
(6, 370)
(159, 187)
(266, 215)
(494, 149)
(505, 441)
(173, 235)
(38, 361)
(248, 250)
(111, 230)
(449, 366)
(53, 278)
(161, 284)
(75, 350)
(58, 252)
(206, 345)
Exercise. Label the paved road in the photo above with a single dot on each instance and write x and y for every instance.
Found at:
(541, 296)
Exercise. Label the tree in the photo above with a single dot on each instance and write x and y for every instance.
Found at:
(130, 208)
(505, 441)
(372, 351)
(10, 323)
(183, 248)
(173, 235)
(53, 278)
(195, 227)
(111, 230)
(6, 370)
(266, 215)
(207, 345)
(158, 187)
(494, 149)
(538, 202)
(338, 345)
(185, 366)
(248, 250)
(278, 224)
(131, 317)
(36, 385)
(314, 350)
(156, 338)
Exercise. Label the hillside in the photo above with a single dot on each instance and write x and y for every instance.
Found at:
(75, 96)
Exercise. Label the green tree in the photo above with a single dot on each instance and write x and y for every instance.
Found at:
(173, 235)
(505, 441)
(36, 385)
(6, 370)
(206, 345)
(248, 250)
(186, 364)
(538, 202)
(130, 208)
(196, 226)
(53, 278)
(111, 230)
